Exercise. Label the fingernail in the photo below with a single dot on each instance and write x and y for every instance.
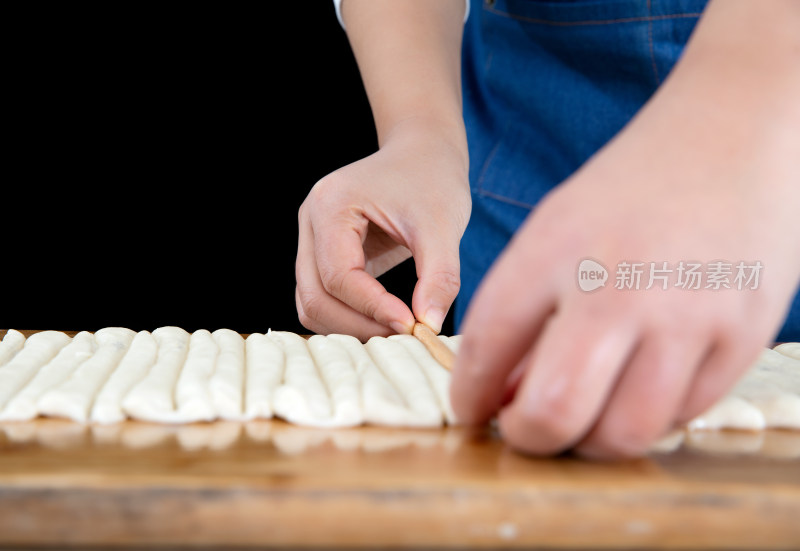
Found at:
(399, 327)
(434, 318)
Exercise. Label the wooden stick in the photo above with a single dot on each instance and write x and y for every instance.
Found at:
(436, 347)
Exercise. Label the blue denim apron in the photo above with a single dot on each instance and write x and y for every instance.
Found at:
(547, 84)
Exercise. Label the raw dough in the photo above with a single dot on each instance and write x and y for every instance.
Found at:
(340, 378)
(227, 383)
(12, 342)
(316, 393)
(192, 395)
(382, 403)
(152, 398)
(73, 398)
(264, 361)
(133, 367)
(791, 349)
(170, 376)
(24, 405)
(37, 351)
(399, 367)
(767, 396)
(438, 376)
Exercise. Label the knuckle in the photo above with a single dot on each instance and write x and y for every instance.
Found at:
(306, 322)
(333, 281)
(369, 306)
(308, 306)
(327, 188)
(304, 318)
(323, 193)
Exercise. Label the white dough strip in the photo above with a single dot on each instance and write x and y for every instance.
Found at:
(730, 412)
(192, 397)
(453, 342)
(39, 349)
(302, 397)
(341, 381)
(12, 342)
(73, 398)
(381, 402)
(438, 376)
(132, 368)
(264, 362)
(23, 406)
(227, 383)
(406, 375)
(773, 386)
(791, 349)
(152, 398)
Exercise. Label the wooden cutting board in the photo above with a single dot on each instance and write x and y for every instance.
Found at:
(269, 483)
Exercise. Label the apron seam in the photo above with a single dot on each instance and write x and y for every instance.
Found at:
(587, 22)
(504, 199)
(650, 42)
(488, 161)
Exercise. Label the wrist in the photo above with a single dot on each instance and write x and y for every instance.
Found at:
(445, 135)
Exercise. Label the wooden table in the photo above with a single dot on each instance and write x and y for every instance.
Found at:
(270, 484)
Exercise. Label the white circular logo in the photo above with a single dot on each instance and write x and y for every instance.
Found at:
(591, 275)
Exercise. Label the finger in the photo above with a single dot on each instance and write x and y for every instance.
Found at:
(317, 310)
(339, 254)
(647, 397)
(438, 280)
(340, 319)
(567, 381)
(499, 328)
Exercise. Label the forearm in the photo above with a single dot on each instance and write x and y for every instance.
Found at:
(736, 90)
(408, 54)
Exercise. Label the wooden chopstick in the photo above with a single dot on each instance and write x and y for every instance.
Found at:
(436, 347)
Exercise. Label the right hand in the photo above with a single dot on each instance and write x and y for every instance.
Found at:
(409, 199)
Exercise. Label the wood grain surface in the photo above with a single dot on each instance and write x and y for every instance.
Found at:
(271, 484)
(274, 484)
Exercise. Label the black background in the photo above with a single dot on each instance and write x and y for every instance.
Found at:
(157, 157)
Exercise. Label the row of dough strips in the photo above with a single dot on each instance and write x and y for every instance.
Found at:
(173, 376)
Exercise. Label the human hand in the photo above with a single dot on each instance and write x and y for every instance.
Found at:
(607, 373)
(410, 198)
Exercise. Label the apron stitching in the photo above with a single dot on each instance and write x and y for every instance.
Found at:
(650, 42)
(488, 63)
(591, 22)
(488, 161)
(504, 199)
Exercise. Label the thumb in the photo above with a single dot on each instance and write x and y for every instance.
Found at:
(438, 281)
